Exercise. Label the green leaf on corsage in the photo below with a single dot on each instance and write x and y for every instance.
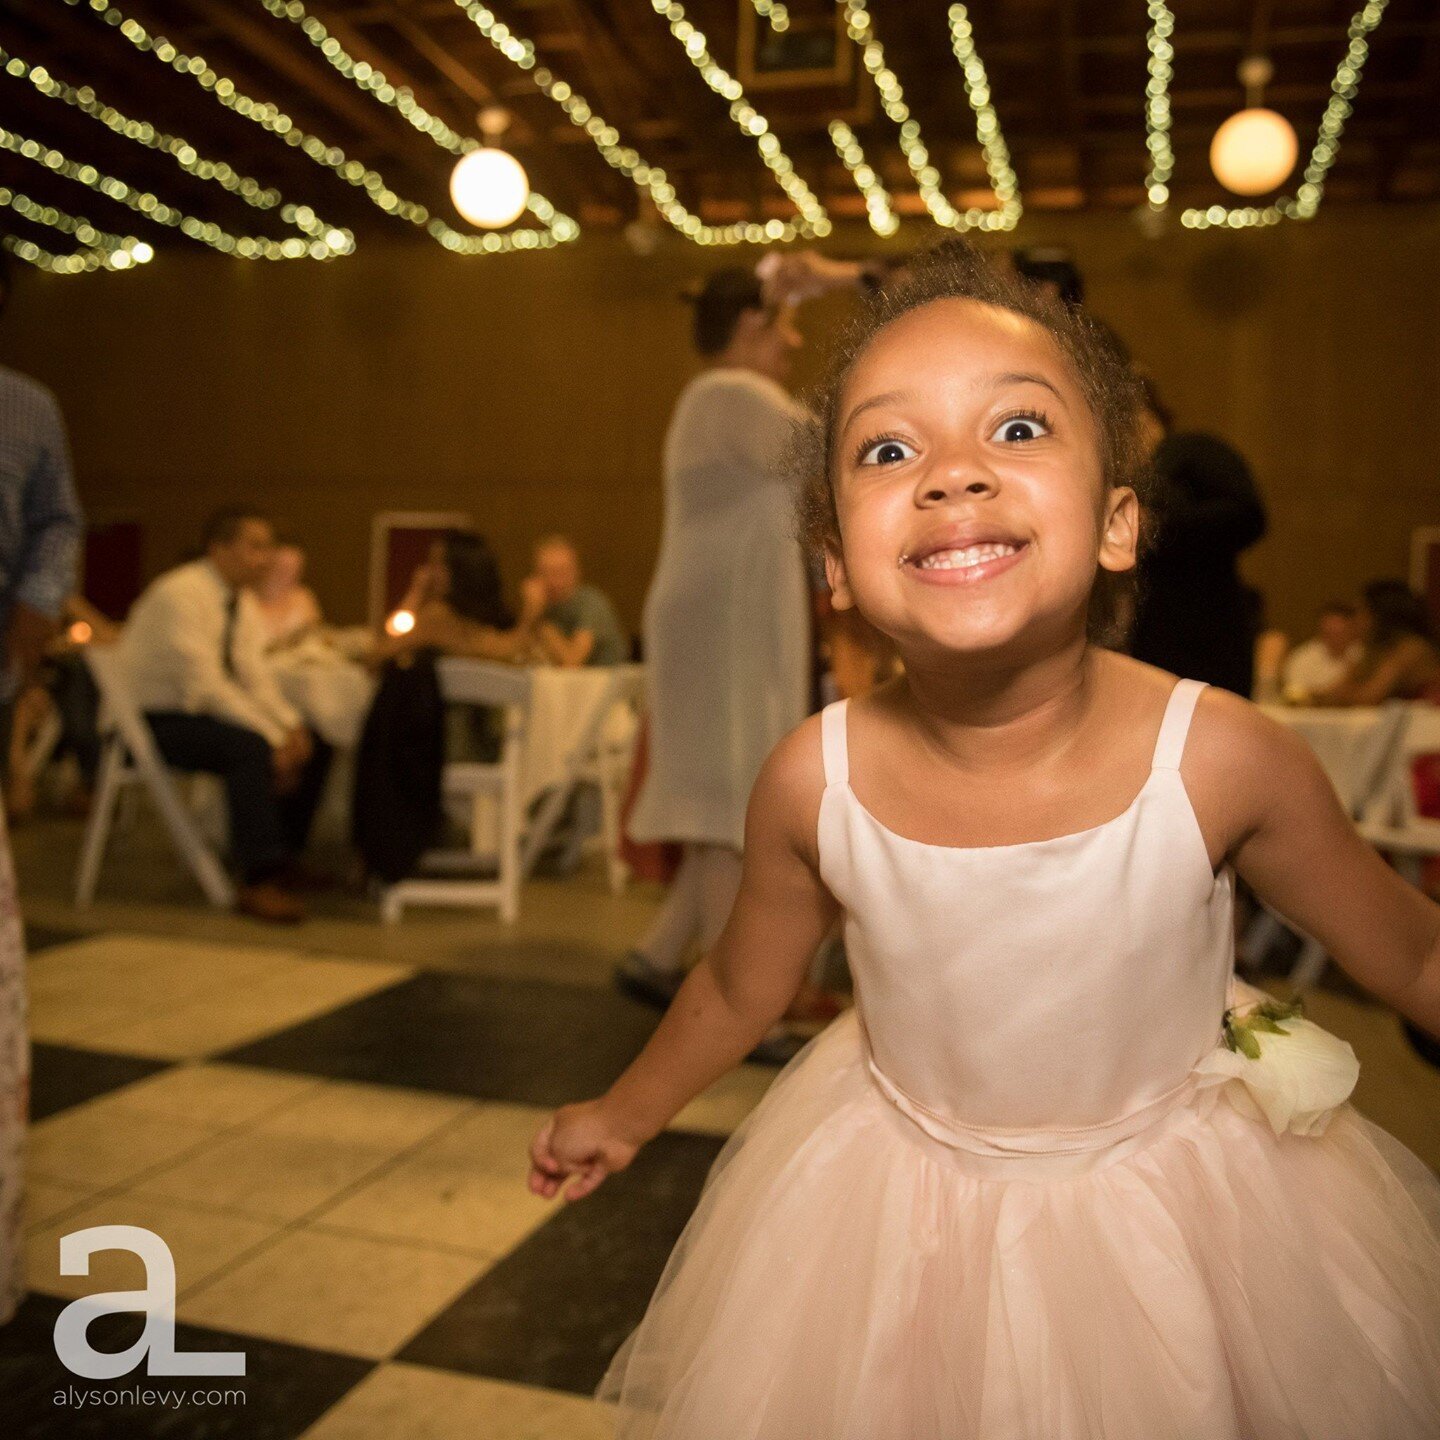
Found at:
(1240, 1029)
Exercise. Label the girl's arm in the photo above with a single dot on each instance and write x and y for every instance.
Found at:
(1290, 839)
(730, 999)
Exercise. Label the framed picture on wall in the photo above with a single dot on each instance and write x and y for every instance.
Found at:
(1425, 570)
(812, 50)
(400, 542)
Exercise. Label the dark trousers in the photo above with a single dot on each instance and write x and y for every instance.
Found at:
(78, 701)
(266, 829)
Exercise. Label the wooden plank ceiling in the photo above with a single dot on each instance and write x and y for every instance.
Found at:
(1067, 78)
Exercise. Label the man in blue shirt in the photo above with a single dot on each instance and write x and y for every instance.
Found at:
(40, 527)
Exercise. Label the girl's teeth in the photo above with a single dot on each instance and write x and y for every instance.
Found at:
(964, 559)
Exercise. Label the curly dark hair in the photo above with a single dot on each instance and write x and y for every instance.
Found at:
(957, 270)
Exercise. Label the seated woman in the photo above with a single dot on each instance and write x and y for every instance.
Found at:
(454, 606)
(457, 606)
(288, 604)
(1400, 660)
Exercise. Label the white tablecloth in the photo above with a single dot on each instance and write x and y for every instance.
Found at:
(331, 692)
(562, 703)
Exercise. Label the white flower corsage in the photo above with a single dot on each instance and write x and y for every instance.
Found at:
(1281, 1068)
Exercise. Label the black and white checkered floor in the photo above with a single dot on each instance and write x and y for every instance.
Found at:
(334, 1151)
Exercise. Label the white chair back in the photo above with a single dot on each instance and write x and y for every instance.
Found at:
(492, 791)
(130, 757)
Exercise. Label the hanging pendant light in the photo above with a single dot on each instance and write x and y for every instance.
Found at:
(1255, 150)
(489, 186)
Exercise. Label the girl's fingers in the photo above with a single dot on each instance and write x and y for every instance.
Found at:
(589, 1181)
(541, 1155)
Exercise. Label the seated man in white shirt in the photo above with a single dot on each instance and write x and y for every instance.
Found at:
(195, 653)
(1328, 657)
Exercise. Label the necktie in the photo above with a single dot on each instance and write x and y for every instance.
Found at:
(227, 647)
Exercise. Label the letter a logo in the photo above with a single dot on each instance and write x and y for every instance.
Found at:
(156, 1302)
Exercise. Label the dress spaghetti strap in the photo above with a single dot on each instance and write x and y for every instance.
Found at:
(1175, 727)
(833, 744)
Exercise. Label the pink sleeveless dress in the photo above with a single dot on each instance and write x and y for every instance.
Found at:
(1002, 1200)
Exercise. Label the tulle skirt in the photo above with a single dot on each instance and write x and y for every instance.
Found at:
(847, 1277)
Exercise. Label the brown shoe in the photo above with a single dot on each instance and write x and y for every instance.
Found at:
(306, 879)
(267, 901)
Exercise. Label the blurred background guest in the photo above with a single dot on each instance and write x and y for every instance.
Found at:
(1196, 616)
(1399, 659)
(287, 604)
(727, 623)
(455, 605)
(40, 528)
(1053, 269)
(578, 625)
(195, 647)
(1328, 656)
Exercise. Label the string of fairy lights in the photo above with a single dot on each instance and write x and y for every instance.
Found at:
(95, 249)
(813, 219)
(320, 241)
(651, 179)
(1160, 71)
(1303, 205)
(558, 228)
(89, 247)
(879, 210)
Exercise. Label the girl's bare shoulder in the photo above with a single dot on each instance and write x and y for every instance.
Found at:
(1241, 767)
(788, 791)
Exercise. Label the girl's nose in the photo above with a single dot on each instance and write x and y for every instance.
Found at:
(956, 478)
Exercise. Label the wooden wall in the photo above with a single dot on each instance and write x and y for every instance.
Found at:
(533, 390)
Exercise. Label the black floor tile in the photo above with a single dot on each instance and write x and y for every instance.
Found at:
(45, 937)
(526, 1041)
(285, 1389)
(554, 1311)
(61, 1076)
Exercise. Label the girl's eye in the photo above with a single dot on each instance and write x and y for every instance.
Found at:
(885, 452)
(1020, 428)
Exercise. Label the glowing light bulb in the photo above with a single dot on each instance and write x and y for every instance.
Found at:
(1253, 152)
(489, 188)
(80, 633)
(402, 622)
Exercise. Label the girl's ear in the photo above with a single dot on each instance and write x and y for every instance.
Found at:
(835, 577)
(1120, 540)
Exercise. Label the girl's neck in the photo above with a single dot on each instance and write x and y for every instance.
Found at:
(1004, 715)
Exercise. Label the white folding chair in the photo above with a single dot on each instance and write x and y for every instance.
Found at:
(43, 744)
(608, 766)
(130, 760)
(601, 758)
(487, 787)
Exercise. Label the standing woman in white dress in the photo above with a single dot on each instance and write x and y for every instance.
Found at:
(727, 619)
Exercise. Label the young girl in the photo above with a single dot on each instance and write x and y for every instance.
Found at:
(1057, 1175)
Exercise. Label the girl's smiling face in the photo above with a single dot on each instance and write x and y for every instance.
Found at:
(969, 486)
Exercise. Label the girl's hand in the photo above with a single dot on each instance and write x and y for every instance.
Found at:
(580, 1140)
